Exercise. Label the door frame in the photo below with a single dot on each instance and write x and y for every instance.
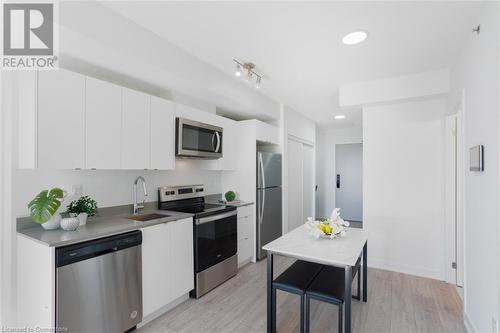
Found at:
(335, 174)
(454, 197)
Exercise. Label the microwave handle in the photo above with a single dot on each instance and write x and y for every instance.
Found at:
(218, 142)
(213, 144)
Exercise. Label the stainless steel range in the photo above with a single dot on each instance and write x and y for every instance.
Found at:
(215, 235)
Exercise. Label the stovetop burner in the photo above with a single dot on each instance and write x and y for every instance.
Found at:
(201, 208)
(189, 199)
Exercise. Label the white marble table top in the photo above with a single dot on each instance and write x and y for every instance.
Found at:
(299, 244)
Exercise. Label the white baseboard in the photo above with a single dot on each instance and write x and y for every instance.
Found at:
(163, 310)
(406, 269)
(468, 324)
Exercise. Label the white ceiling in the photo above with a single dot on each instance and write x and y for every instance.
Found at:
(297, 45)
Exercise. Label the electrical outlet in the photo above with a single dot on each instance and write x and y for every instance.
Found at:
(494, 325)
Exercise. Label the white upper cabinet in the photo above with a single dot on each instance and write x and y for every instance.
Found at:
(162, 134)
(61, 120)
(71, 121)
(267, 133)
(103, 124)
(135, 141)
(230, 145)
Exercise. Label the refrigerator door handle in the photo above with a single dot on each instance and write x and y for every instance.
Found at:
(262, 176)
(262, 204)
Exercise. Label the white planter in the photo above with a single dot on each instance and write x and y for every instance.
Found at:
(83, 218)
(53, 223)
(70, 223)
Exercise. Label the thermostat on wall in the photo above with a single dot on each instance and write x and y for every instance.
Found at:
(476, 158)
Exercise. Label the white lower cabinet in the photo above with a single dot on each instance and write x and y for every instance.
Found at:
(167, 263)
(182, 256)
(155, 267)
(245, 234)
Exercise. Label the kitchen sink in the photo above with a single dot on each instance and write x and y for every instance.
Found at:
(147, 217)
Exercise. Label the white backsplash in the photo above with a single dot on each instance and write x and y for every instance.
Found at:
(107, 187)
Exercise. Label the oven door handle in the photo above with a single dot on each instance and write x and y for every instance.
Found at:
(215, 217)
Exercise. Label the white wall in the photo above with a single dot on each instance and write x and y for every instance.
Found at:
(476, 72)
(403, 186)
(325, 164)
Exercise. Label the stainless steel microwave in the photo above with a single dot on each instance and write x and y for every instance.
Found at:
(197, 140)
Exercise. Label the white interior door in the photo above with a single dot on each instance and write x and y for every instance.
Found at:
(308, 182)
(300, 183)
(348, 182)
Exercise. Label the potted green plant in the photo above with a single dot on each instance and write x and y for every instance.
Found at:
(44, 208)
(84, 207)
(230, 196)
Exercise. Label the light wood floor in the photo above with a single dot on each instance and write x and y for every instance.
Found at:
(396, 303)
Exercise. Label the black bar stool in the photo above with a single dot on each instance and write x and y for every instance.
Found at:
(328, 286)
(295, 279)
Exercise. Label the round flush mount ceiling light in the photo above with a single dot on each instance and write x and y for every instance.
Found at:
(354, 37)
(339, 116)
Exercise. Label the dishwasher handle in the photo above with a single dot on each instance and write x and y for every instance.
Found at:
(77, 252)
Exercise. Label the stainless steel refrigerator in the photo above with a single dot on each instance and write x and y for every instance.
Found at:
(269, 201)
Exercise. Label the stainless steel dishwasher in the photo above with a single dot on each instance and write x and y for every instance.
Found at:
(99, 284)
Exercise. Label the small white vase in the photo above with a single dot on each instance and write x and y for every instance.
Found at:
(70, 223)
(83, 218)
(53, 223)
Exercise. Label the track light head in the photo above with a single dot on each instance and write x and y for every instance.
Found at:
(250, 72)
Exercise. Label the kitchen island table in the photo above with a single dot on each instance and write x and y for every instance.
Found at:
(341, 252)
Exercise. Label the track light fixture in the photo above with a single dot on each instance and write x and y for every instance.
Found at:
(238, 70)
(250, 72)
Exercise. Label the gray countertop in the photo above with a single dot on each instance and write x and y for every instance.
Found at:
(97, 227)
(216, 199)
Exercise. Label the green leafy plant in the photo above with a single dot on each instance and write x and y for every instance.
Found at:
(83, 205)
(46, 204)
(230, 196)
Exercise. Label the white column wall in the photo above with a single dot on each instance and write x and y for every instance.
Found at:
(403, 175)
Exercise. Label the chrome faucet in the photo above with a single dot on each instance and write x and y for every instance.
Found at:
(139, 206)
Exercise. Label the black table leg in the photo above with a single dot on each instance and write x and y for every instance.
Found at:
(365, 272)
(347, 301)
(271, 325)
